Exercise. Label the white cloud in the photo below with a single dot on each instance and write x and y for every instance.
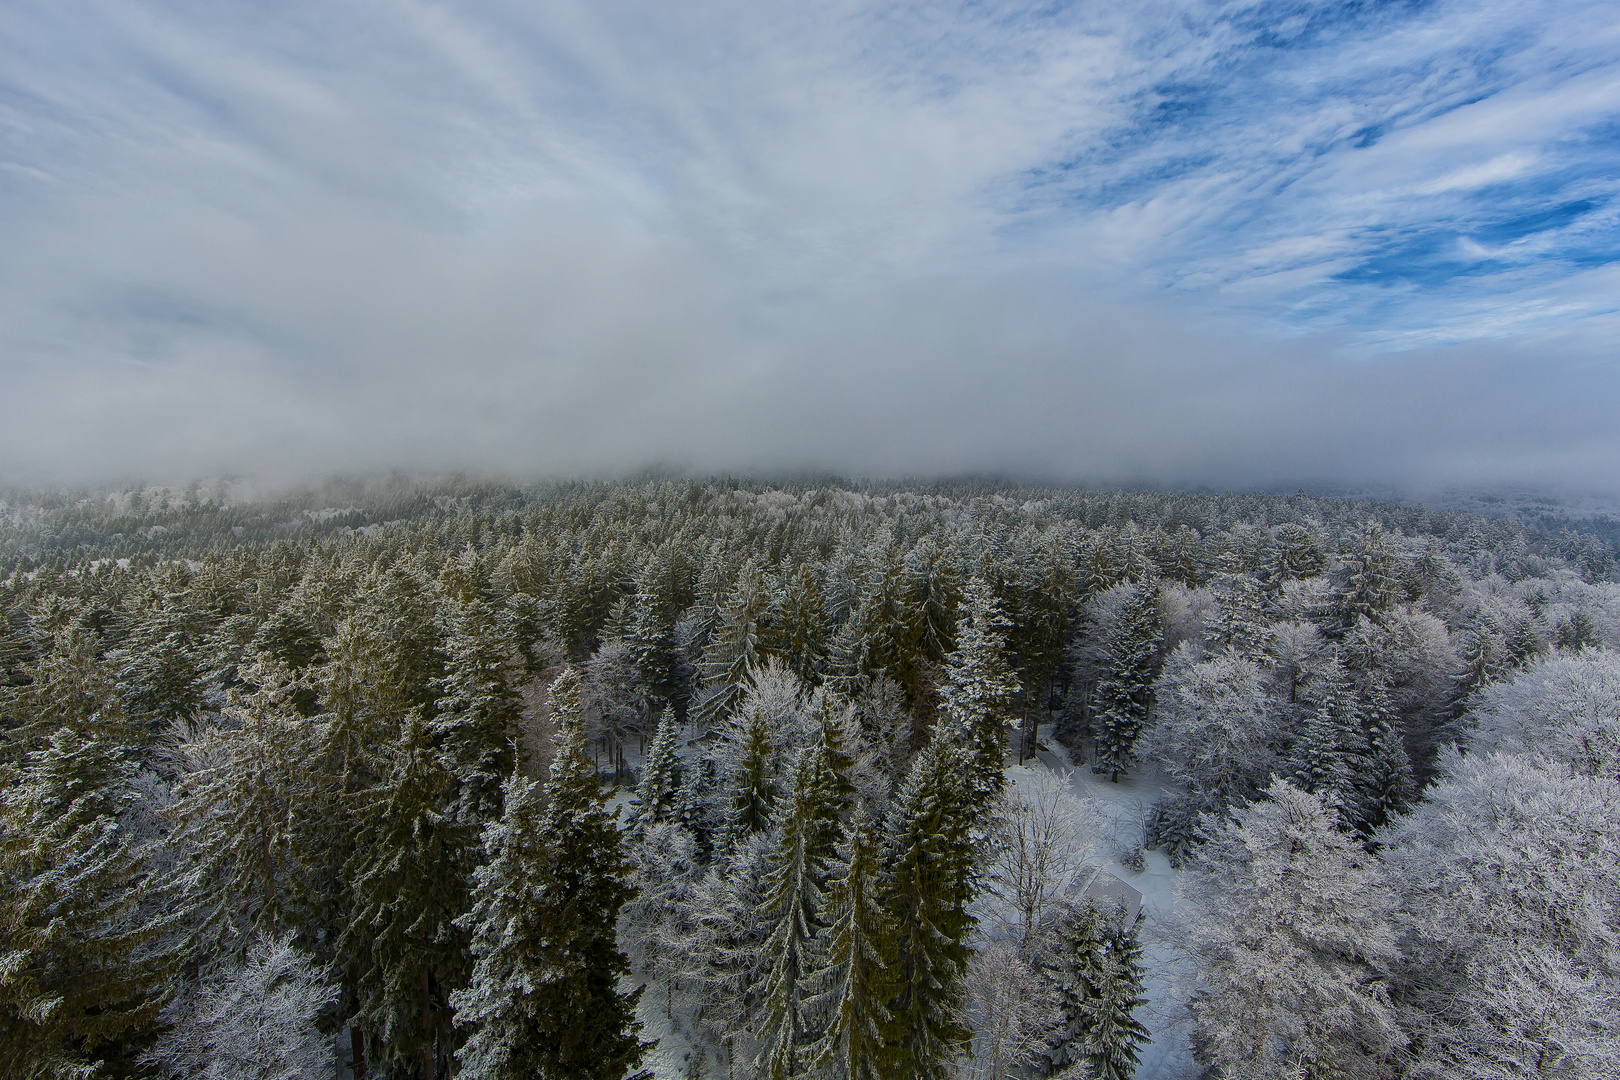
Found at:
(1109, 244)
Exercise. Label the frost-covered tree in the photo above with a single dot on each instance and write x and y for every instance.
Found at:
(798, 630)
(76, 977)
(732, 650)
(930, 883)
(615, 701)
(1212, 728)
(1330, 750)
(256, 1021)
(1238, 622)
(660, 772)
(477, 713)
(1043, 836)
(715, 941)
(247, 818)
(543, 999)
(1093, 960)
(1125, 690)
(410, 878)
(1291, 928)
(796, 882)
(1369, 582)
(979, 691)
(1014, 1011)
(71, 686)
(856, 981)
(1565, 711)
(1509, 874)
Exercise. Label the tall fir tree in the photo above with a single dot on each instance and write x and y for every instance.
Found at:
(754, 793)
(251, 802)
(1330, 752)
(1115, 1036)
(409, 878)
(1384, 782)
(930, 883)
(798, 629)
(979, 692)
(543, 999)
(857, 981)
(76, 980)
(1125, 691)
(732, 651)
(477, 713)
(795, 886)
(660, 773)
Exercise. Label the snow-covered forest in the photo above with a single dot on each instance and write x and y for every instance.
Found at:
(720, 779)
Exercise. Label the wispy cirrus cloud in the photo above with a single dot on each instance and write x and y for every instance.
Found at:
(872, 237)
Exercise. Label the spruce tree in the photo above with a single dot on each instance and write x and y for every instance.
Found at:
(409, 879)
(655, 795)
(477, 712)
(732, 650)
(71, 686)
(795, 884)
(1239, 621)
(1077, 966)
(1125, 692)
(252, 798)
(1115, 1035)
(857, 982)
(979, 692)
(1384, 782)
(753, 786)
(798, 628)
(544, 1000)
(75, 979)
(1330, 753)
(930, 883)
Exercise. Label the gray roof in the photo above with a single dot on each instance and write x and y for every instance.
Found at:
(1106, 891)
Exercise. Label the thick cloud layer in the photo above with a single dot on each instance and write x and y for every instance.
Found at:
(1173, 243)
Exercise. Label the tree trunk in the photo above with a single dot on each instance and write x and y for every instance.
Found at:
(427, 1029)
(357, 1053)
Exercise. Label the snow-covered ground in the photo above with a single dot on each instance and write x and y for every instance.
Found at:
(1125, 804)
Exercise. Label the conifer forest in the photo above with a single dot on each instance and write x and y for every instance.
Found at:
(822, 779)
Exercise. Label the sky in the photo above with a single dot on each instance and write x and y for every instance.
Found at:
(1175, 243)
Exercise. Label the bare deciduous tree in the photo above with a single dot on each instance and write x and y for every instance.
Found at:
(1012, 1010)
(1045, 835)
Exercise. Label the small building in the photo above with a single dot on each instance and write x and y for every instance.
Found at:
(1106, 892)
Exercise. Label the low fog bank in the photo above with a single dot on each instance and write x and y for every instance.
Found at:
(939, 379)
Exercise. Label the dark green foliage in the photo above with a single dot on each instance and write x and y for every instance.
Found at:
(732, 650)
(386, 661)
(795, 882)
(857, 981)
(1330, 750)
(979, 694)
(1172, 825)
(1578, 632)
(544, 998)
(409, 878)
(931, 881)
(77, 981)
(1095, 964)
(1125, 691)
(1370, 582)
(477, 713)
(660, 773)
